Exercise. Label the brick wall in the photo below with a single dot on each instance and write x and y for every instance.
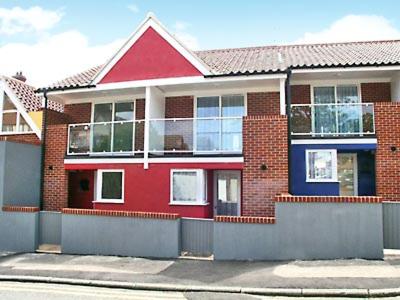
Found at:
(376, 92)
(29, 138)
(78, 113)
(387, 127)
(55, 193)
(300, 94)
(263, 103)
(179, 107)
(261, 186)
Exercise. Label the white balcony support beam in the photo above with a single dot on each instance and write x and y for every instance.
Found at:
(282, 96)
(146, 128)
(395, 85)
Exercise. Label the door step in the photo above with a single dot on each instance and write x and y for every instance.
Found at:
(49, 248)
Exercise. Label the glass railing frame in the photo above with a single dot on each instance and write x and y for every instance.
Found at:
(91, 126)
(194, 150)
(313, 132)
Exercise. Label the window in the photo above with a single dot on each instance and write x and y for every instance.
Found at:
(188, 187)
(214, 133)
(113, 128)
(11, 119)
(321, 166)
(110, 186)
(334, 111)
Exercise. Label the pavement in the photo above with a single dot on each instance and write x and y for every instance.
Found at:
(355, 277)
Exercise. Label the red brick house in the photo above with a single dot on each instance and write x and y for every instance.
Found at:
(160, 128)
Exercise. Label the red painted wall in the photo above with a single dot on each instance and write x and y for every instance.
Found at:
(150, 57)
(149, 190)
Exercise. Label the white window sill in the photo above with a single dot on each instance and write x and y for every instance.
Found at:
(109, 201)
(322, 181)
(189, 203)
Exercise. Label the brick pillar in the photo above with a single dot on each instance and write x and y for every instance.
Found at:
(387, 126)
(55, 194)
(264, 143)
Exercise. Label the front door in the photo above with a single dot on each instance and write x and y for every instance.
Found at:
(227, 193)
(347, 174)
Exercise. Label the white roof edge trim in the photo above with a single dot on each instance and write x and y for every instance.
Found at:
(151, 21)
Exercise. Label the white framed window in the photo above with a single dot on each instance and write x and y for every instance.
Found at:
(336, 94)
(11, 119)
(110, 186)
(321, 165)
(188, 187)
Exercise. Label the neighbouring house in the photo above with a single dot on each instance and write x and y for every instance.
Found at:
(20, 140)
(161, 128)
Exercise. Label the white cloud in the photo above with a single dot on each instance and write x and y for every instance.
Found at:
(354, 28)
(17, 20)
(54, 57)
(189, 40)
(133, 8)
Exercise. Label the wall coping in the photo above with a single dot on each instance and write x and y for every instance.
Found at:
(250, 220)
(120, 213)
(26, 209)
(328, 199)
(265, 117)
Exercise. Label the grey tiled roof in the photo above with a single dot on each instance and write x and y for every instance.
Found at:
(27, 96)
(255, 60)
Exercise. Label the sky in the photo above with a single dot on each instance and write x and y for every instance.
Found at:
(49, 40)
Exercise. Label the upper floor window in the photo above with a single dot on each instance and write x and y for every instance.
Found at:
(11, 119)
(113, 128)
(339, 94)
(220, 122)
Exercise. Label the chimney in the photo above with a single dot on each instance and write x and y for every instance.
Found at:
(19, 76)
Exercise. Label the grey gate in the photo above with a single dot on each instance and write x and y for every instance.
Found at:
(391, 225)
(197, 236)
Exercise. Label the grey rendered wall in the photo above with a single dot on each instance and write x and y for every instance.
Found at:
(305, 231)
(391, 225)
(103, 235)
(21, 174)
(2, 161)
(19, 231)
(50, 227)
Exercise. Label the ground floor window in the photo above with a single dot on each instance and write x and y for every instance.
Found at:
(110, 186)
(321, 165)
(188, 187)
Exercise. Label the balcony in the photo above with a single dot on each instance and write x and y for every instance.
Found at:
(196, 135)
(332, 120)
(106, 138)
(188, 136)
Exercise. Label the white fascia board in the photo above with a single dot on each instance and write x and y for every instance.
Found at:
(170, 81)
(152, 22)
(22, 110)
(169, 160)
(334, 141)
(349, 69)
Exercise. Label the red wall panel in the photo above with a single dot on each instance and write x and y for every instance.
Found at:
(149, 190)
(150, 57)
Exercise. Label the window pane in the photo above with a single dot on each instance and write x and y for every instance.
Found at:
(9, 122)
(123, 136)
(232, 134)
(111, 185)
(324, 94)
(325, 118)
(347, 94)
(233, 106)
(102, 138)
(207, 107)
(208, 135)
(123, 111)
(184, 186)
(103, 112)
(23, 126)
(320, 165)
(7, 104)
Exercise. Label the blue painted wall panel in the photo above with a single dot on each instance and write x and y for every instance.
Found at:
(299, 186)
